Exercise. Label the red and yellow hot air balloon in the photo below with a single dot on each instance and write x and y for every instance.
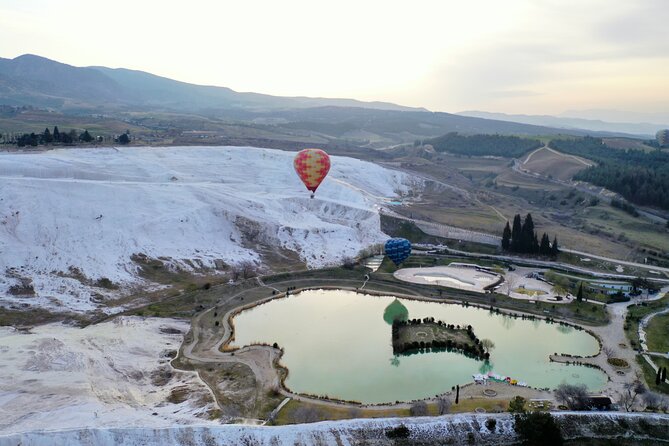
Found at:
(312, 165)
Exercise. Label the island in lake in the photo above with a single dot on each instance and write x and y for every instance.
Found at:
(427, 335)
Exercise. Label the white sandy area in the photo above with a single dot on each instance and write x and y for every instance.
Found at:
(61, 377)
(92, 209)
(449, 276)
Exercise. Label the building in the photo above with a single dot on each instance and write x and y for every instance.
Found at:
(610, 287)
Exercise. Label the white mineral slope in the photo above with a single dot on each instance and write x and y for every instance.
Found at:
(106, 375)
(349, 432)
(92, 209)
(462, 429)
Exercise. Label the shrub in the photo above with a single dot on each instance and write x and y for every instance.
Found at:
(400, 431)
(538, 428)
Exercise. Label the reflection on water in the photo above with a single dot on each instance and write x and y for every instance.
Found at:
(507, 321)
(338, 343)
(486, 367)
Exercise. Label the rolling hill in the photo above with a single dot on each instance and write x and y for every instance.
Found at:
(159, 104)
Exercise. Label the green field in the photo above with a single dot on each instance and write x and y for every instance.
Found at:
(636, 312)
(657, 334)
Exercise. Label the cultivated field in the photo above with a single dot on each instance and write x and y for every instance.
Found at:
(550, 163)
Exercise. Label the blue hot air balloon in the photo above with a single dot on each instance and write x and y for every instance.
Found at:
(398, 249)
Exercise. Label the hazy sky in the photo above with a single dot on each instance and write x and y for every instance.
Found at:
(514, 56)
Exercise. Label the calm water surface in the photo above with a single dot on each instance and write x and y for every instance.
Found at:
(338, 344)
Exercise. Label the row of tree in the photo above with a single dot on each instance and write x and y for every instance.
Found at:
(522, 239)
(48, 137)
(483, 145)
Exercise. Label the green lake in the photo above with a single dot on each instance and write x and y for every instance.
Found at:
(338, 343)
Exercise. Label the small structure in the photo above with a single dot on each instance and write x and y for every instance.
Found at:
(610, 287)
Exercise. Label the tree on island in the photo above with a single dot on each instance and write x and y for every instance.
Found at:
(487, 344)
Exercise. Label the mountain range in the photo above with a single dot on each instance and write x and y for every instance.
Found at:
(641, 129)
(153, 103)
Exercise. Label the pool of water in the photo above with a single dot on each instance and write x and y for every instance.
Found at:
(338, 344)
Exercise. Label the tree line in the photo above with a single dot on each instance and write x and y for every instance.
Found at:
(640, 177)
(523, 239)
(483, 145)
(48, 137)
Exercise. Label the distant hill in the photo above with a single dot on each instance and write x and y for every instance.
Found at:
(159, 106)
(38, 81)
(641, 130)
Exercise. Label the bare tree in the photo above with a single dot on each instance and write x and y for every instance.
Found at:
(235, 272)
(248, 269)
(487, 344)
(511, 282)
(573, 396)
(608, 351)
(348, 262)
(418, 409)
(443, 405)
(627, 398)
(652, 400)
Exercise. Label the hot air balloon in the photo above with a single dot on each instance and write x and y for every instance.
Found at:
(663, 138)
(398, 249)
(312, 165)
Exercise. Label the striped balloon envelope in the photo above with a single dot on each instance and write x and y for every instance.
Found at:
(312, 165)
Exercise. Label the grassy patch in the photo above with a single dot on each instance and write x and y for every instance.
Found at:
(618, 362)
(38, 316)
(529, 292)
(649, 376)
(306, 412)
(406, 229)
(636, 312)
(657, 333)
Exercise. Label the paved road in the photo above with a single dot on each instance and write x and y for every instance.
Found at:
(452, 232)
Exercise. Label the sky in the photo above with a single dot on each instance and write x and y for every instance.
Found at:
(512, 56)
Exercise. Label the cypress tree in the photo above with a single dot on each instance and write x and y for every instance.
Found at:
(555, 249)
(457, 394)
(506, 237)
(579, 294)
(516, 234)
(545, 247)
(527, 235)
(56, 134)
(48, 138)
(664, 374)
(86, 137)
(658, 376)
